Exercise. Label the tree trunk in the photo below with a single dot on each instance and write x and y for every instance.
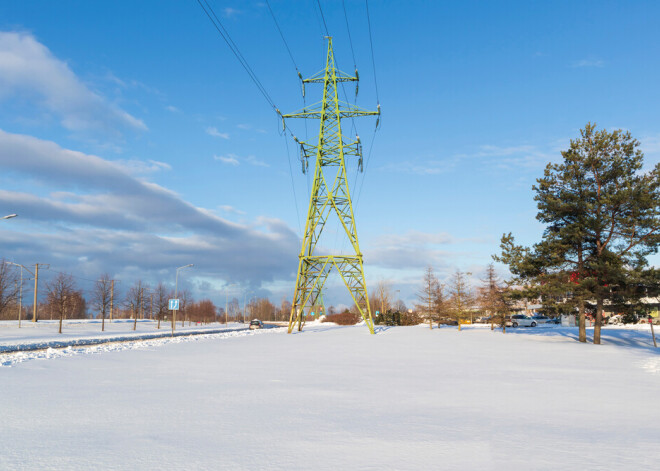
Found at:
(134, 319)
(582, 323)
(102, 322)
(159, 316)
(599, 318)
(61, 316)
(430, 323)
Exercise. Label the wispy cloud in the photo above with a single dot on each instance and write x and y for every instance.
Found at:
(227, 159)
(229, 12)
(141, 167)
(233, 159)
(172, 109)
(230, 209)
(30, 71)
(588, 63)
(520, 157)
(212, 131)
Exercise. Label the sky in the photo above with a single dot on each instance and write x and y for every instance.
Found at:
(133, 142)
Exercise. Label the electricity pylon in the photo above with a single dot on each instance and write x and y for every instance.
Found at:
(330, 197)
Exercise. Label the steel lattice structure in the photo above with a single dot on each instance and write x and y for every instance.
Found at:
(329, 197)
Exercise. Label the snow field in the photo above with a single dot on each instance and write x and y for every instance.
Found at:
(335, 397)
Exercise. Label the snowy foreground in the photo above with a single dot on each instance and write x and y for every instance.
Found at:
(337, 398)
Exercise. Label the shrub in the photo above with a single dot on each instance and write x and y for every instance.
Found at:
(344, 318)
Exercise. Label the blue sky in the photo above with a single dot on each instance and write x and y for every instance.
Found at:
(132, 141)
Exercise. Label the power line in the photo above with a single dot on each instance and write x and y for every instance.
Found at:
(293, 187)
(350, 40)
(210, 13)
(323, 18)
(234, 49)
(371, 42)
(282, 36)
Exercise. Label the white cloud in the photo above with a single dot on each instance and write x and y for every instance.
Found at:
(520, 157)
(172, 109)
(140, 167)
(588, 63)
(229, 12)
(233, 159)
(211, 131)
(98, 210)
(230, 209)
(252, 160)
(227, 159)
(29, 70)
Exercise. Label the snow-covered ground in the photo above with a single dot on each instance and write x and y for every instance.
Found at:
(45, 334)
(331, 398)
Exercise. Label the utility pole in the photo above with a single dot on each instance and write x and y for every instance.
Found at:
(112, 297)
(330, 196)
(36, 285)
(176, 294)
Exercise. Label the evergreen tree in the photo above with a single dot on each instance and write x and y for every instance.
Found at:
(602, 216)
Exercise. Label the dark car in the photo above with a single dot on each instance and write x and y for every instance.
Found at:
(447, 321)
(256, 324)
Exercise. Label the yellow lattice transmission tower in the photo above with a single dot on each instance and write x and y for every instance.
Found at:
(330, 198)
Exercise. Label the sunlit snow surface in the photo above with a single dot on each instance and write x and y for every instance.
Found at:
(335, 398)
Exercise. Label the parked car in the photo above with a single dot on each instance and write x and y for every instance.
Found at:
(447, 321)
(521, 320)
(616, 319)
(541, 319)
(256, 324)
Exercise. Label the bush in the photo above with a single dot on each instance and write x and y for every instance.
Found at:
(344, 318)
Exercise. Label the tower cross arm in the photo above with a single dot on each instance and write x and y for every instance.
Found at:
(320, 77)
(346, 110)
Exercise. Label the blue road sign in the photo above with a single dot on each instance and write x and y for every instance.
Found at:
(174, 305)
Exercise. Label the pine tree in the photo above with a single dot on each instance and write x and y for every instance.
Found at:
(602, 216)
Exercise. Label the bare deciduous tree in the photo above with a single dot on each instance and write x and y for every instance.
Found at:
(491, 297)
(460, 296)
(428, 296)
(8, 289)
(101, 297)
(60, 295)
(135, 300)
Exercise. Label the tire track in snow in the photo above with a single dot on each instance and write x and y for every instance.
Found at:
(14, 358)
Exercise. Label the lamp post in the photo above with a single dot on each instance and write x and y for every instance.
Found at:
(20, 299)
(35, 274)
(245, 293)
(176, 294)
(227, 300)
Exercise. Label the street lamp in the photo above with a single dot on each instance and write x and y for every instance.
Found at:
(36, 278)
(176, 294)
(20, 300)
(227, 300)
(245, 293)
(9, 216)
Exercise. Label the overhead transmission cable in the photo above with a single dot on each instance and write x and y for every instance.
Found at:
(350, 39)
(234, 49)
(210, 13)
(318, 2)
(282, 36)
(373, 64)
(371, 42)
